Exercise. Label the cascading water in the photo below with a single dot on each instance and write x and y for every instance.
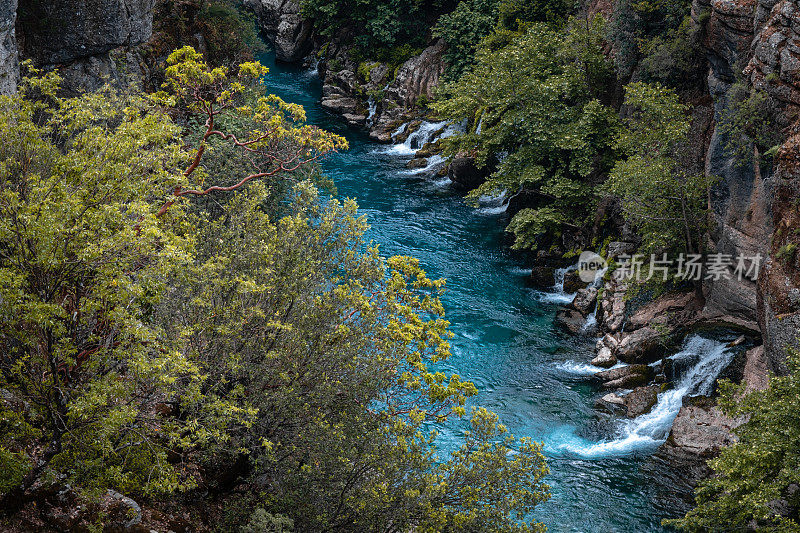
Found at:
(373, 108)
(709, 358)
(504, 340)
(591, 320)
(558, 295)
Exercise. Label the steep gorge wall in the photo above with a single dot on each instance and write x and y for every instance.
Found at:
(9, 55)
(87, 40)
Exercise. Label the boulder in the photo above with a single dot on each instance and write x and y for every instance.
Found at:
(570, 320)
(283, 25)
(341, 105)
(465, 174)
(626, 377)
(354, 119)
(573, 282)
(9, 56)
(417, 162)
(700, 430)
(585, 300)
(640, 400)
(605, 358)
(644, 345)
(611, 403)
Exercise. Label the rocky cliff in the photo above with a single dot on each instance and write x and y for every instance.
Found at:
(9, 60)
(89, 40)
(284, 27)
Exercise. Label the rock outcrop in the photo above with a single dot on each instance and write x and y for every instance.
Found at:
(9, 57)
(282, 23)
(89, 41)
(779, 283)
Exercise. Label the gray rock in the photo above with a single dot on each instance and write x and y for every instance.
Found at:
(62, 31)
(644, 345)
(640, 400)
(604, 358)
(585, 300)
(570, 320)
(284, 27)
(9, 56)
(701, 431)
(626, 377)
(611, 403)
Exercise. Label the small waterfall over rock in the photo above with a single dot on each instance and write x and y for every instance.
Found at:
(706, 359)
(373, 108)
(558, 295)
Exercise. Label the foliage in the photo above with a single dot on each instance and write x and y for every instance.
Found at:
(514, 12)
(756, 477)
(375, 23)
(751, 122)
(661, 200)
(150, 344)
(537, 104)
(462, 29)
(635, 23)
(675, 58)
(82, 262)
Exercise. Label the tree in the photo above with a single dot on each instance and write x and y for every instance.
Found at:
(533, 106)
(661, 199)
(151, 345)
(756, 478)
(85, 251)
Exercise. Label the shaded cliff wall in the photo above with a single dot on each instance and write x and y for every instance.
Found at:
(87, 40)
(9, 60)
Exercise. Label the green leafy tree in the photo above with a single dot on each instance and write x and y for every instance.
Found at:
(150, 344)
(755, 486)
(85, 251)
(664, 202)
(534, 107)
(462, 29)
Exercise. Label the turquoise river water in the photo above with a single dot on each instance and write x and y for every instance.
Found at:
(532, 375)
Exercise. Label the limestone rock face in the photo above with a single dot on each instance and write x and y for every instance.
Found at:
(62, 31)
(88, 40)
(9, 57)
(779, 282)
(418, 76)
(281, 22)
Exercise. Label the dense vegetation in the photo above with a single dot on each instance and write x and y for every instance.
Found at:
(182, 314)
(756, 485)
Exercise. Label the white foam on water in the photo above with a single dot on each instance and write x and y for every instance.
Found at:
(582, 369)
(493, 205)
(651, 429)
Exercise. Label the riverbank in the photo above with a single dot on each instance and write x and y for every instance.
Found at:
(535, 376)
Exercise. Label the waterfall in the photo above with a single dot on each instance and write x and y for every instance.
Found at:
(706, 357)
(591, 320)
(373, 108)
(558, 295)
(314, 67)
(493, 205)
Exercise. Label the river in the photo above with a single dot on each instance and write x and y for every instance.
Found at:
(533, 376)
